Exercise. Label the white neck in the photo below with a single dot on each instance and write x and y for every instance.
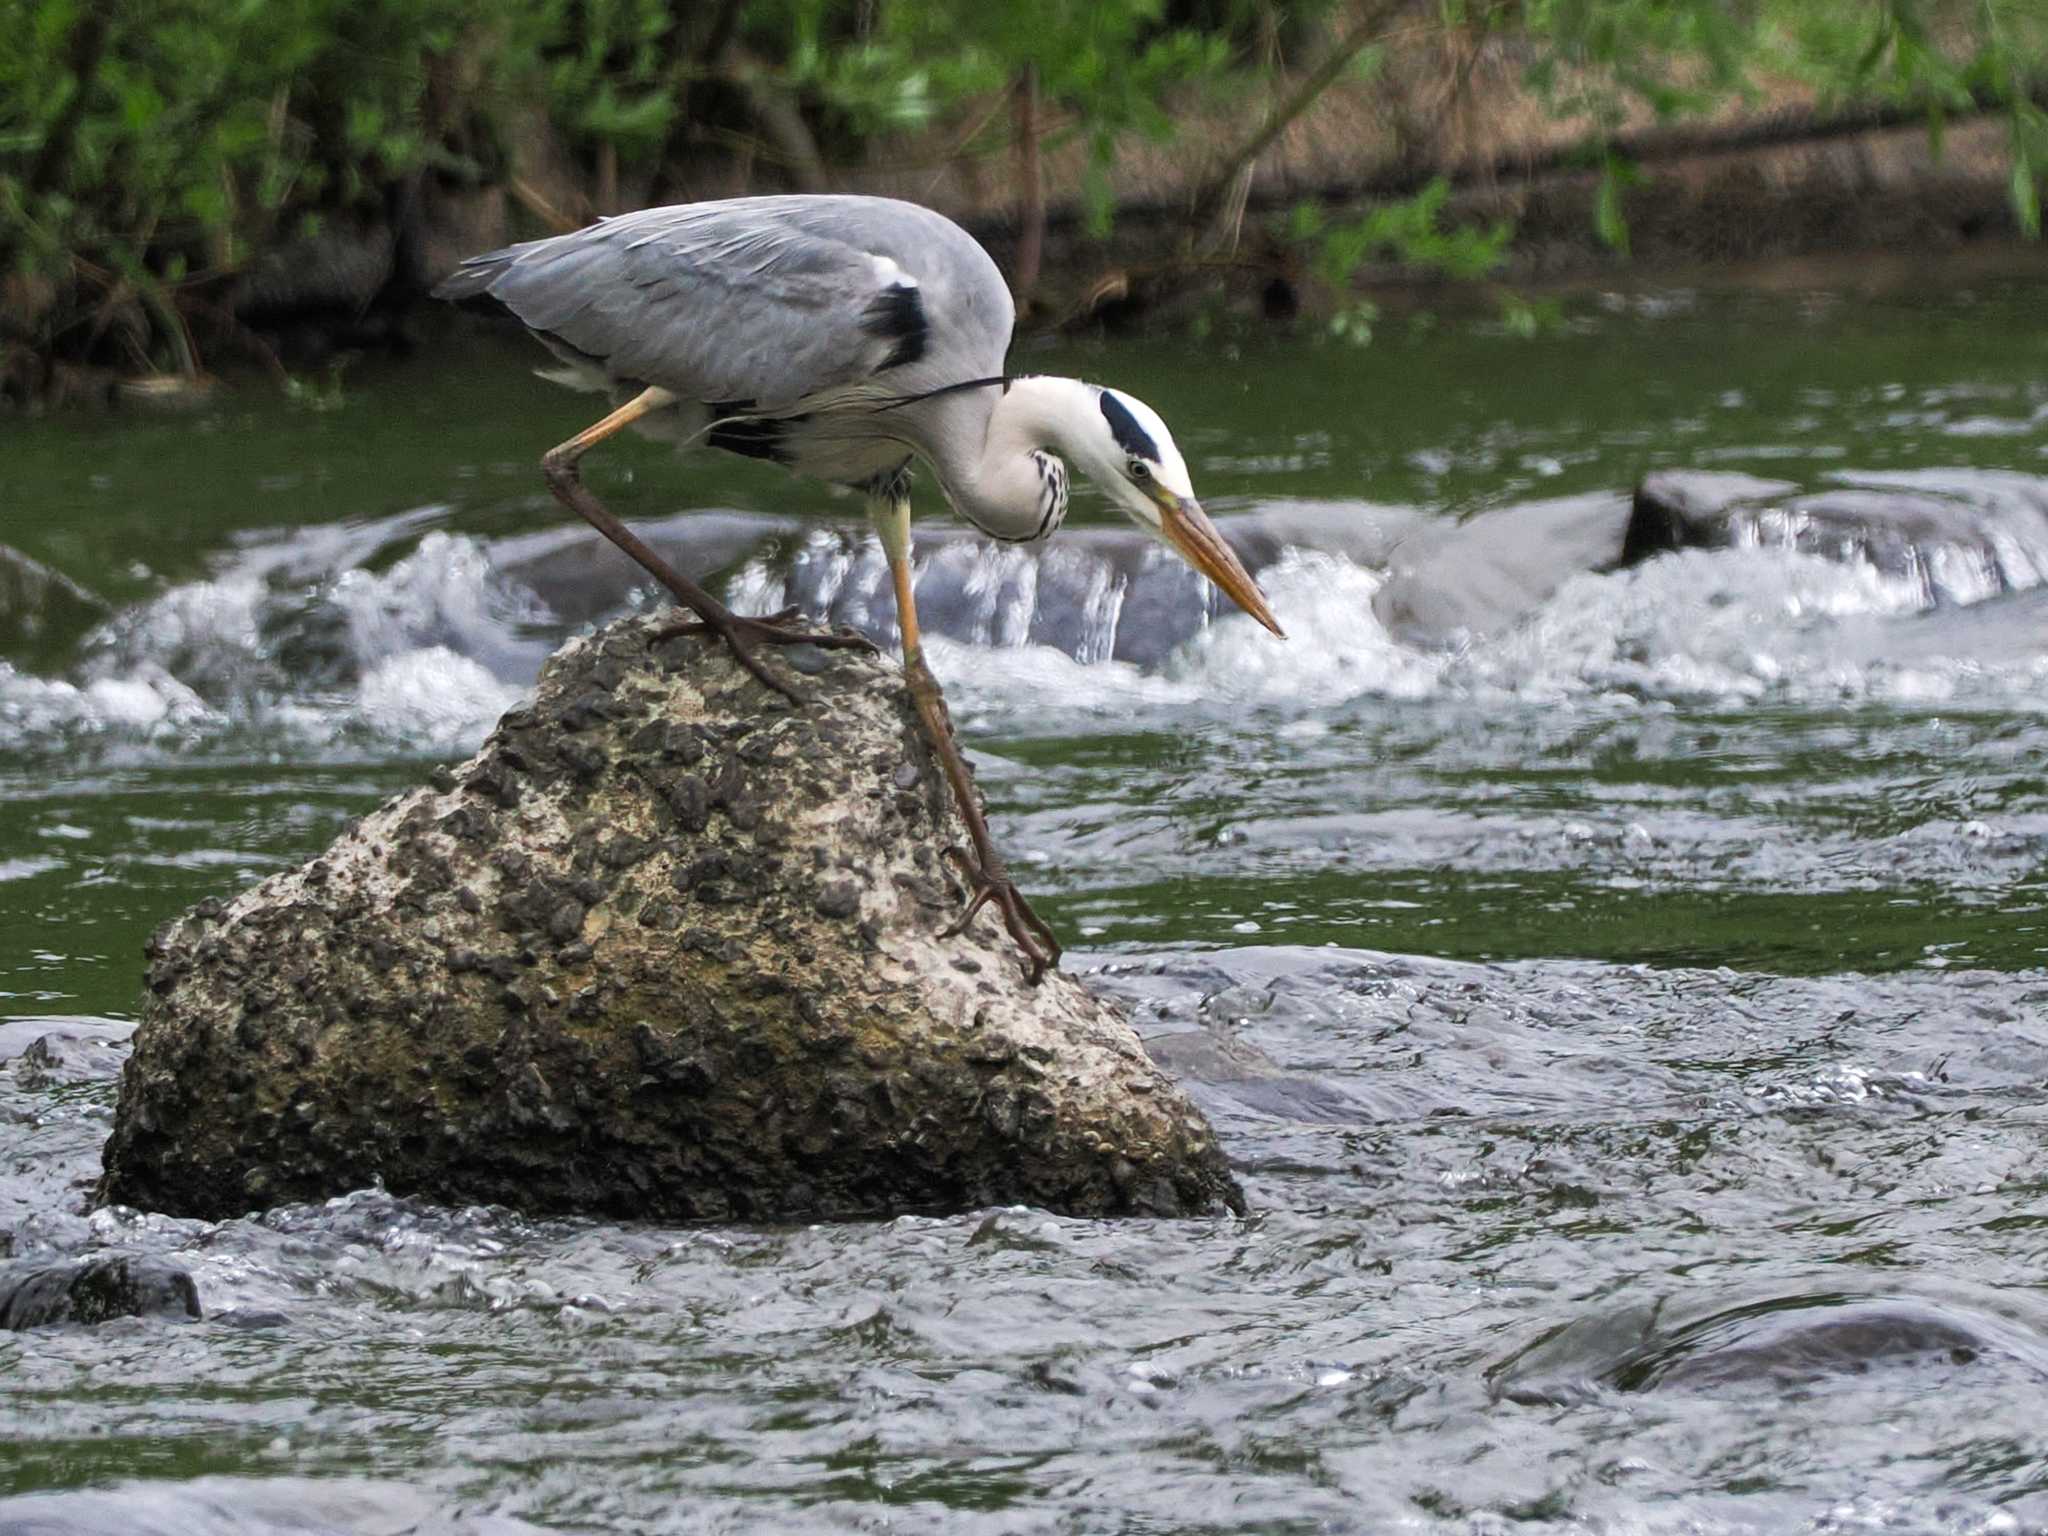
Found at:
(1015, 488)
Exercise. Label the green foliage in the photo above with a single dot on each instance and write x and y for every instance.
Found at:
(148, 147)
(1941, 60)
(1616, 176)
(144, 141)
(1933, 58)
(1530, 318)
(1411, 230)
(1107, 69)
(1603, 62)
(606, 69)
(1354, 322)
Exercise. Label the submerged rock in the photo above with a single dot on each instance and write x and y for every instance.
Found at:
(93, 1291)
(42, 611)
(1115, 593)
(45, 1053)
(666, 947)
(1960, 535)
(1096, 593)
(1768, 1344)
(1452, 582)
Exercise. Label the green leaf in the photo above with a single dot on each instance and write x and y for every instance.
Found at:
(2026, 197)
(141, 106)
(1609, 222)
(206, 201)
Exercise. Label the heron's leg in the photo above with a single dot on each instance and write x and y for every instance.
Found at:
(986, 873)
(566, 481)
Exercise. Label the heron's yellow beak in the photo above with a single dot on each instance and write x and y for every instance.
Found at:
(1188, 529)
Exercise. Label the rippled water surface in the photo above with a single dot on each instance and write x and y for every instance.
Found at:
(1631, 1025)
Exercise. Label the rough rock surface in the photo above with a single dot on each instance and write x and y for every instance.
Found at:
(666, 947)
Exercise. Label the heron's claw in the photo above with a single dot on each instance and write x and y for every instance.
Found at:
(781, 628)
(1026, 928)
(739, 631)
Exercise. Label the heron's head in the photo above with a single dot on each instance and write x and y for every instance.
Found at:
(1130, 454)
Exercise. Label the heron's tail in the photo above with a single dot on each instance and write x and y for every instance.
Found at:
(469, 285)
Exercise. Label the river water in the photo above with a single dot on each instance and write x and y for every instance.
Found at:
(1631, 1027)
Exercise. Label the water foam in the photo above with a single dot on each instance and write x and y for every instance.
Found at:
(1722, 627)
(421, 655)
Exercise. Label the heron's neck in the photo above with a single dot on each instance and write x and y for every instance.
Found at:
(1015, 488)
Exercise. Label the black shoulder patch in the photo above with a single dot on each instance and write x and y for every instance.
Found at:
(897, 314)
(1123, 426)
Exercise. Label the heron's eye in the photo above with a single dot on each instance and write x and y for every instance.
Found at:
(1140, 472)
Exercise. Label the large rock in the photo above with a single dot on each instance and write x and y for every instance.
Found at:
(666, 947)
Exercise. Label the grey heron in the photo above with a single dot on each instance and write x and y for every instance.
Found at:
(840, 337)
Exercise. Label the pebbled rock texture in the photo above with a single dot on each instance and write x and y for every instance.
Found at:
(666, 947)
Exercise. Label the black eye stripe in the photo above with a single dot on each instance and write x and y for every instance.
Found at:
(1123, 426)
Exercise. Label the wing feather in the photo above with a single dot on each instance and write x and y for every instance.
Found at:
(762, 300)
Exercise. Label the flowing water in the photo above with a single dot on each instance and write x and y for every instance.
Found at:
(1631, 1027)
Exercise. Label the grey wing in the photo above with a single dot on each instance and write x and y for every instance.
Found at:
(711, 301)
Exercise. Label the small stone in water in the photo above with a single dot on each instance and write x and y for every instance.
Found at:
(1247, 926)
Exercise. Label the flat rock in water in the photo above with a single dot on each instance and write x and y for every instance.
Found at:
(666, 947)
(33, 1295)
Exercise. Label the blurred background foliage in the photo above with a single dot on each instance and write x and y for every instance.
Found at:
(151, 151)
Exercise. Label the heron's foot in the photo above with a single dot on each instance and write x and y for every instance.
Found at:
(783, 628)
(742, 632)
(1026, 928)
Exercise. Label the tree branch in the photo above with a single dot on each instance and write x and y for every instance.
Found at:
(775, 110)
(1215, 193)
(1031, 189)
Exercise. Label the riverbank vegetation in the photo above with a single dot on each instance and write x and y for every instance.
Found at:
(169, 169)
